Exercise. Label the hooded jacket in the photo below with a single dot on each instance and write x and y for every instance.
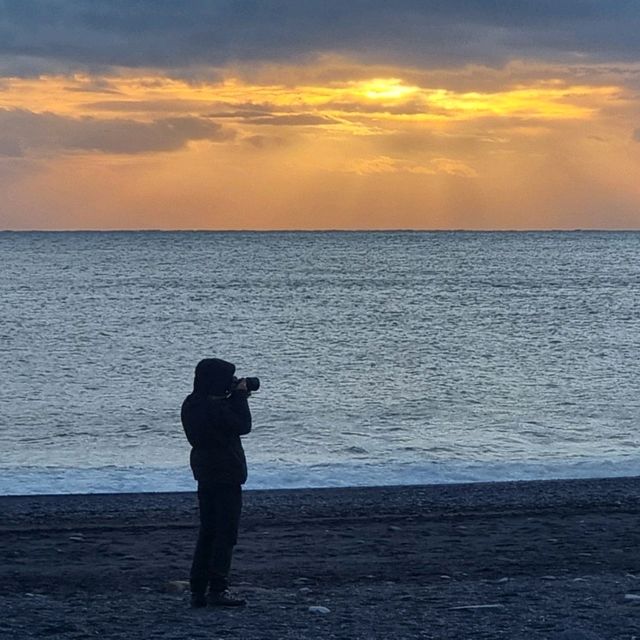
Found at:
(213, 421)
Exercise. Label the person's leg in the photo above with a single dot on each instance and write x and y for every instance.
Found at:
(200, 567)
(229, 507)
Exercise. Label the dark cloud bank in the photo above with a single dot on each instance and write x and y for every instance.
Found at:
(79, 34)
(23, 131)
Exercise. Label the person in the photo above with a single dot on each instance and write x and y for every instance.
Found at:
(214, 416)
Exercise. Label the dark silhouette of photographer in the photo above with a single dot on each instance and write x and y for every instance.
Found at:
(214, 416)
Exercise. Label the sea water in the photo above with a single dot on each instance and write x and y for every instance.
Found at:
(385, 357)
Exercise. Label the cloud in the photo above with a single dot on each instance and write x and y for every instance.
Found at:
(241, 110)
(433, 142)
(453, 167)
(297, 119)
(266, 142)
(168, 105)
(93, 85)
(26, 131)
(84, 34)
(636, 135)
(10, 147)
(435, 166)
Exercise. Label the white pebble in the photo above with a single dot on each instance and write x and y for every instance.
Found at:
(318, 609)
(477, 606)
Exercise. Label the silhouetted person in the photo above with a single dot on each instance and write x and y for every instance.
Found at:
(214, 416)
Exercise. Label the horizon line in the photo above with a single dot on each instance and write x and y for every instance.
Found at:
(335, 230)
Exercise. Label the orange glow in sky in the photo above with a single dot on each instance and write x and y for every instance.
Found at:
(388, 147)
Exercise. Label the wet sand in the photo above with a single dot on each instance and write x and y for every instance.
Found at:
(554, 559)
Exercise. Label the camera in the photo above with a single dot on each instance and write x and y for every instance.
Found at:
(253, 384)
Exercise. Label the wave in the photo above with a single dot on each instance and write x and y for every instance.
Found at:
(111, 479)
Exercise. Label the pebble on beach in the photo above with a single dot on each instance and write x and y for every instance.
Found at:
(319, 609)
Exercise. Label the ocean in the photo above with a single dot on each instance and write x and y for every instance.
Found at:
(385, 357)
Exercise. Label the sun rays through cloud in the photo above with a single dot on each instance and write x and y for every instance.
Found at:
(394, 136)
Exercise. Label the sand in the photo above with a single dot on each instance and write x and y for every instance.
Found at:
(554, 559)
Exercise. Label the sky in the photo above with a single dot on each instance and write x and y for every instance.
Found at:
(323, 114)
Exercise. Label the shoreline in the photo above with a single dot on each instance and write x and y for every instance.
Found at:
(534, 559)
(271, 477)
(513, 494)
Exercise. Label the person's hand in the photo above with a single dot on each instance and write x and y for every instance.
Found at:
(242, 385)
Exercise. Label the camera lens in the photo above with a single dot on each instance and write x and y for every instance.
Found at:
(253, 384)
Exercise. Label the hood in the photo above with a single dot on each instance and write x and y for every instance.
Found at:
(213, 376)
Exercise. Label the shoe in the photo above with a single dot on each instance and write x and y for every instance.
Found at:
(225, 599)
(198, 600)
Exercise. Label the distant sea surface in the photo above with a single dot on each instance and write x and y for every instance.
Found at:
(385, 357)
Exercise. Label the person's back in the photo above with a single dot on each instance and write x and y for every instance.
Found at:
(213, 426)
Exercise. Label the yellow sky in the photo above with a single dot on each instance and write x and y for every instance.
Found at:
(331, 144)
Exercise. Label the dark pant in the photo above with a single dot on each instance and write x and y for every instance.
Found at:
(220, 507)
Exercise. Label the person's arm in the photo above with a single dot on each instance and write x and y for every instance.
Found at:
(236, 413)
